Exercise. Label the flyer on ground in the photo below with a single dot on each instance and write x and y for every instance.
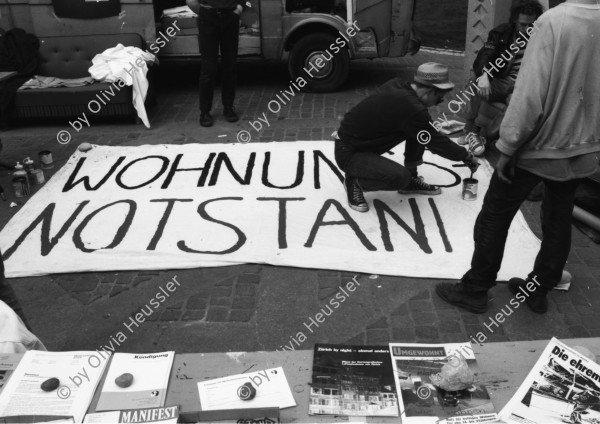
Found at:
(438, 383)
(59, 384)
(562, 387)
(136, 381)
(352, 380)
(260, 389)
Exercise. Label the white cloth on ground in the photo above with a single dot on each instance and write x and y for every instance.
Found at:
(122, 63)
(14, 336)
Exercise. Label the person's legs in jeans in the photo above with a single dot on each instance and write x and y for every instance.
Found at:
(557, 208)
(372, 171)
(229, 38)
(500, 205)
(500, 89)
(413, 156)
(208, 37)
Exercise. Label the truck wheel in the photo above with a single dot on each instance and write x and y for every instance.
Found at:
(335, 62)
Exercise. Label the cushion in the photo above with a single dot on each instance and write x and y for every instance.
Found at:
(73, 95)
(71, 57)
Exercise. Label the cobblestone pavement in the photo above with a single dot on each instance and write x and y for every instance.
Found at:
(262, 307)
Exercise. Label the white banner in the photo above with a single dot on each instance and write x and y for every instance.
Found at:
(201, 205)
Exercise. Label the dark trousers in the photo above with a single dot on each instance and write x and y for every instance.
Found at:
(500, 205)
(374, 172)
(500, 89)
(217, 29)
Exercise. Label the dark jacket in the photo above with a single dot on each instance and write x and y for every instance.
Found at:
(498, 42)
(383, 120)
(18, 53)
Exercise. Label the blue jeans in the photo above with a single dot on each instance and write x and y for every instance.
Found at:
(500, 205)
(374, 172)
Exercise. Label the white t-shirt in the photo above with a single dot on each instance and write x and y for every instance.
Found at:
(14, 336)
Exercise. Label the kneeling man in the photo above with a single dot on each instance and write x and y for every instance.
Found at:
(382, 121)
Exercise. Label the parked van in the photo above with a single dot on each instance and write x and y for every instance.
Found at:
(317, 38)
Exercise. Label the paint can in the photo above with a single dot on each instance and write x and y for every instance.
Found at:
(20, 186)
(469, 191)
(37, 176)
(46, 159)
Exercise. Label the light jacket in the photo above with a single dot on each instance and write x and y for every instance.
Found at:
(554, 112)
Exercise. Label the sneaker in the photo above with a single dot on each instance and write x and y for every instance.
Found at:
(230, 115)
(206, 120)
(476, 143)
(536, 301)
(356, 199)
(472, 298)
(418, 186)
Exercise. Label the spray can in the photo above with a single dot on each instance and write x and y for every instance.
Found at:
(20, 182)
(29, 167)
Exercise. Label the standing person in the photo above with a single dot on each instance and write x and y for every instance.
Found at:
(497, 65)
(382, 121)
(550, 133)
(218, 30)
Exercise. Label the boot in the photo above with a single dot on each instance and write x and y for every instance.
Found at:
(536, 301)
(470, 297)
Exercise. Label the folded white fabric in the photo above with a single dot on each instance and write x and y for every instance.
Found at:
(178, 12)
(129, 65)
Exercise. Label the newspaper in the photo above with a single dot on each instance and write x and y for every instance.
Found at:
(8, 363)
(418, 366)
(562, 387)
(352, 380)
(148, 389)
(23, 395)
(169, 415)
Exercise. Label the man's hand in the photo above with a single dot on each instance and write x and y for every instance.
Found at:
(485, 88)
(505, 167)
(239, 9)
(472, 162)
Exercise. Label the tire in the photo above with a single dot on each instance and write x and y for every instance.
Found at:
(335, 66)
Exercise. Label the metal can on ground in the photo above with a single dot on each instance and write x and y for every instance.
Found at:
(46, 159)
(469, 191)
(20, 186)
(37, 176)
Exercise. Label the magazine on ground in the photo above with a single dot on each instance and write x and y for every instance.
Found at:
(136, 381)
(562, 387)
(437, 383)
(352, 380)
(8, 363)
